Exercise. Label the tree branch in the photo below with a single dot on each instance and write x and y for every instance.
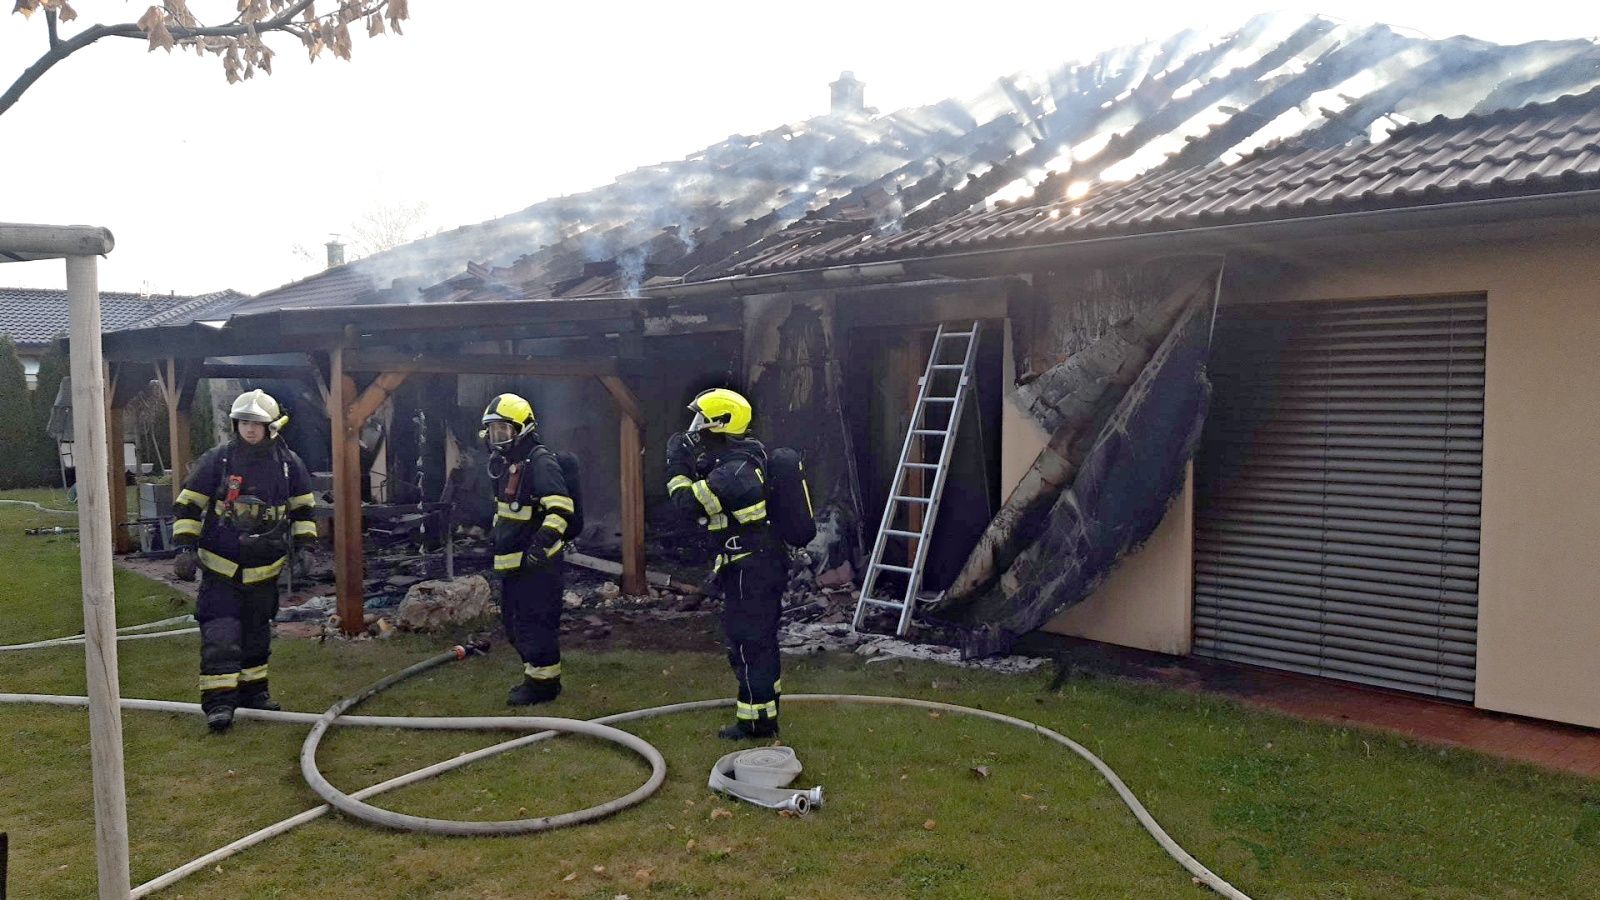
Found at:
(61, 49)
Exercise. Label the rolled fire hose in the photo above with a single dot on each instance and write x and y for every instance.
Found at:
(360, 810)
(759, 776)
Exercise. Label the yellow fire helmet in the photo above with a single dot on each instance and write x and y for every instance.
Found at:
(509, 408)
(258, 406)
(721, 411)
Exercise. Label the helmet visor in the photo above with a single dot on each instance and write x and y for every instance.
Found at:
(501, 433)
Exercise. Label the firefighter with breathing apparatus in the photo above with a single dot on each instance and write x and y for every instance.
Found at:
(534, 512)
(715, 473)
(244, 513)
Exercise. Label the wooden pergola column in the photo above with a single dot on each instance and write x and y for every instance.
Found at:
(116, 467)
(178, 379)
(632, 467)
(347, 412)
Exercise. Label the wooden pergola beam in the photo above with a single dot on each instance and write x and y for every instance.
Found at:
(632, 467)
(481, 364)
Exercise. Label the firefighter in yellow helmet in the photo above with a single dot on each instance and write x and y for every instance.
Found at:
(533, 514)
(715, 474)
(244, 513)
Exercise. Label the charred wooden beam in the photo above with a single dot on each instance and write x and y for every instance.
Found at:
(1070, 400)
(478, 364)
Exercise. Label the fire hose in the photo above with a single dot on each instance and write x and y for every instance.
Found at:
(759, 776)
(352, 803)
(126, 633)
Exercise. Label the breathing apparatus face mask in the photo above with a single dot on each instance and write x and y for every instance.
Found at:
(499, 435)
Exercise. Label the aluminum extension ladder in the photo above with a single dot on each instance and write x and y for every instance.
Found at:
(902, 506)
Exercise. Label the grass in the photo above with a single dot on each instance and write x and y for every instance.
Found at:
(1279, 807)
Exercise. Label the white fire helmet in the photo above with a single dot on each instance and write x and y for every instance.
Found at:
(258, 406)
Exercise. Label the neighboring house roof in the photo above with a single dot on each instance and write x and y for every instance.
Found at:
(1548, 148)
(833, 182)
(37, 316)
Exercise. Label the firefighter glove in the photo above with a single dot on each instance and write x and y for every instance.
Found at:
(185, 564)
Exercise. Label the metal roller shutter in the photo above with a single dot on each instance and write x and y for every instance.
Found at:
(1338, 490)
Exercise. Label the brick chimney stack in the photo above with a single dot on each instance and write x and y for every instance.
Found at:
(849, 96)
(335, 254)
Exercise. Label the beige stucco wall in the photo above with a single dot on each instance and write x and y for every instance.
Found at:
(1539, 575)
(1146, 603)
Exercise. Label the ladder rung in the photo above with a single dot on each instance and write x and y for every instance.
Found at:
(905, 534)
(938, 399)
(947, 366)
(894, 568)
(892, 604)
(955, 334)
(912, 499)
(939, 431)
(922, 465)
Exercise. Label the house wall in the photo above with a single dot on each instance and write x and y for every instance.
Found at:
(1538, 625)
(1148, 601)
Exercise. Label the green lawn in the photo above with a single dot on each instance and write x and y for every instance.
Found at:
(1279, 807)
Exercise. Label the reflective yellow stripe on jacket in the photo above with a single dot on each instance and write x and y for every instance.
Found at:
(755, 512)
(558, 502)
(227, 568)
(521, 513)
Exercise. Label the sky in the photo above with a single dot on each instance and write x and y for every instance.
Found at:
(486, 107)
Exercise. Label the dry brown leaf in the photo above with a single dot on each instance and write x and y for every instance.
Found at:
(599, 870)
(691, 845)
(981, 771)
(788, 814)
(721, 813)
(934, 715)
(645, 874)
(929, 825)
(1027, 796)
(570, 876)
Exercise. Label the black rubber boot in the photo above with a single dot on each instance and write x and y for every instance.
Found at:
(218, 706)
(533, 691)
(254, 695)
(750, 730)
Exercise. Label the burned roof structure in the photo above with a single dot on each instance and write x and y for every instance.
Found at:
(848, 183)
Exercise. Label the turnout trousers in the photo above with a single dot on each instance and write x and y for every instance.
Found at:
(530, 608)
(235, 634)
(752, 601)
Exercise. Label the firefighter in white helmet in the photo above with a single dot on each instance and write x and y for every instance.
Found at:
(244, 513)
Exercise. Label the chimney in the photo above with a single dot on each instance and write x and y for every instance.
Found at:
(335, 254)
(849, 96)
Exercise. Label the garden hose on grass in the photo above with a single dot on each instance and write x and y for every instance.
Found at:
(352, 805)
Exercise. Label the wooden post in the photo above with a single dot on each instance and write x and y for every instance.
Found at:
(174, 393)
(348, 413)
(632, 417)
(347, 572)
(116, 464)
(95, 515)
